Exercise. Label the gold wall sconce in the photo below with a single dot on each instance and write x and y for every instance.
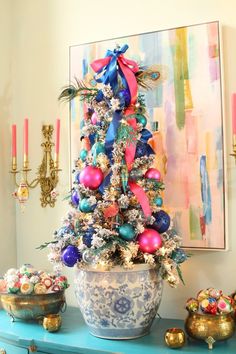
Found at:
(47, 173)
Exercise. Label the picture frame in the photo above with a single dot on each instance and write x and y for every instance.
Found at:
(187, 106)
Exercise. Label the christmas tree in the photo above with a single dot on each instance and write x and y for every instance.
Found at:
(116, 215)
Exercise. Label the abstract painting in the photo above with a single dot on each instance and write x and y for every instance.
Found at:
(187, 108)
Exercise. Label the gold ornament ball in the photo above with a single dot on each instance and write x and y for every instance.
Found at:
(175, 338)
(52, 323)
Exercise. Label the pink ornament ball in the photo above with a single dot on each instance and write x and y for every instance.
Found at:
(94, 118)
(149, 241)
(91, 177)
(153, 173)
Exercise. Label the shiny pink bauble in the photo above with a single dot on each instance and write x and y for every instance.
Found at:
(94, 118)
(91, 177)
(153, 173)
(149, 241)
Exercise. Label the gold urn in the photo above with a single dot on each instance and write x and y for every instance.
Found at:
(210, 328)
(34, 306)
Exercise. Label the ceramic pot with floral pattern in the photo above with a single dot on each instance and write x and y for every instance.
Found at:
(119, 303)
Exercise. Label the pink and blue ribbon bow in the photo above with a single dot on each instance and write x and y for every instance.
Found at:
(115, 64)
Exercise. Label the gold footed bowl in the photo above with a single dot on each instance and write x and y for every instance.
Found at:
(32, 307)
(210, 328)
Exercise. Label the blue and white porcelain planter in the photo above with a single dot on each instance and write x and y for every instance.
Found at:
(119, 303)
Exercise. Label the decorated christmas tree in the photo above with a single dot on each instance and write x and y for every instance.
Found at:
(117, 215)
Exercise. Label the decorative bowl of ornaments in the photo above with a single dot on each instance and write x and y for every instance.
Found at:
(210, 316)
(28, 294)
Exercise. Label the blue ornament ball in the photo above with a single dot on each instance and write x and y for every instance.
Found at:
(124, 97)
(88, 237)
(141, 149)
(127, 232)
(162, 221)
(85, 206)
(70, 256)
(158, 201)
(83, 154)
(179, 256)
(75, 198)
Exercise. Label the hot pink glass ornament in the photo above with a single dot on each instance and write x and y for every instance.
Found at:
(91, 177)
(149, 241)
(153, 173)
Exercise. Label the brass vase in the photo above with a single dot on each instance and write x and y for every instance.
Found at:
(32, 307)
(210, 328)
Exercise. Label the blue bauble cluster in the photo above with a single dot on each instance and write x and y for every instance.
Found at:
(179, 256)
(88, 237)
(162, 221)
(70, 256)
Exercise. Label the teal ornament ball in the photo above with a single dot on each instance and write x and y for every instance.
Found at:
(83, 154)
(141, 119)
(179, 256)
(126, 231)
(158, 201)
(85, 206)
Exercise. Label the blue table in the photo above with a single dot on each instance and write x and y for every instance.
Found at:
(25, 337)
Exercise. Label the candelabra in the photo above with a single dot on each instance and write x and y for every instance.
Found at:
(47, 174)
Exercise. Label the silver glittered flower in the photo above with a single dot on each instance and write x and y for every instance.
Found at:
(115, 104)
(107, 91)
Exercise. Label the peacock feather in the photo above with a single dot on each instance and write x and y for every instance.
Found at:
(79, 88)
(152, 76)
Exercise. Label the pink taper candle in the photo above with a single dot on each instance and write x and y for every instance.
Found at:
(234, 113)
(13, 140)
(25, 142)
(58, 122)
(13, 149)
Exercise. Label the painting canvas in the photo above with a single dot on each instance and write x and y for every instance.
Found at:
(187, 108)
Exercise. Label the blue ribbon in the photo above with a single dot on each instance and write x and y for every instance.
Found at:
(105, 183)
(110, 72)
(112, 133)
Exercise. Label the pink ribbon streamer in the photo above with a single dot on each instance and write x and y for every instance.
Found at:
(141, 196)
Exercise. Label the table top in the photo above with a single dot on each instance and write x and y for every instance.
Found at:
(74, 337)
